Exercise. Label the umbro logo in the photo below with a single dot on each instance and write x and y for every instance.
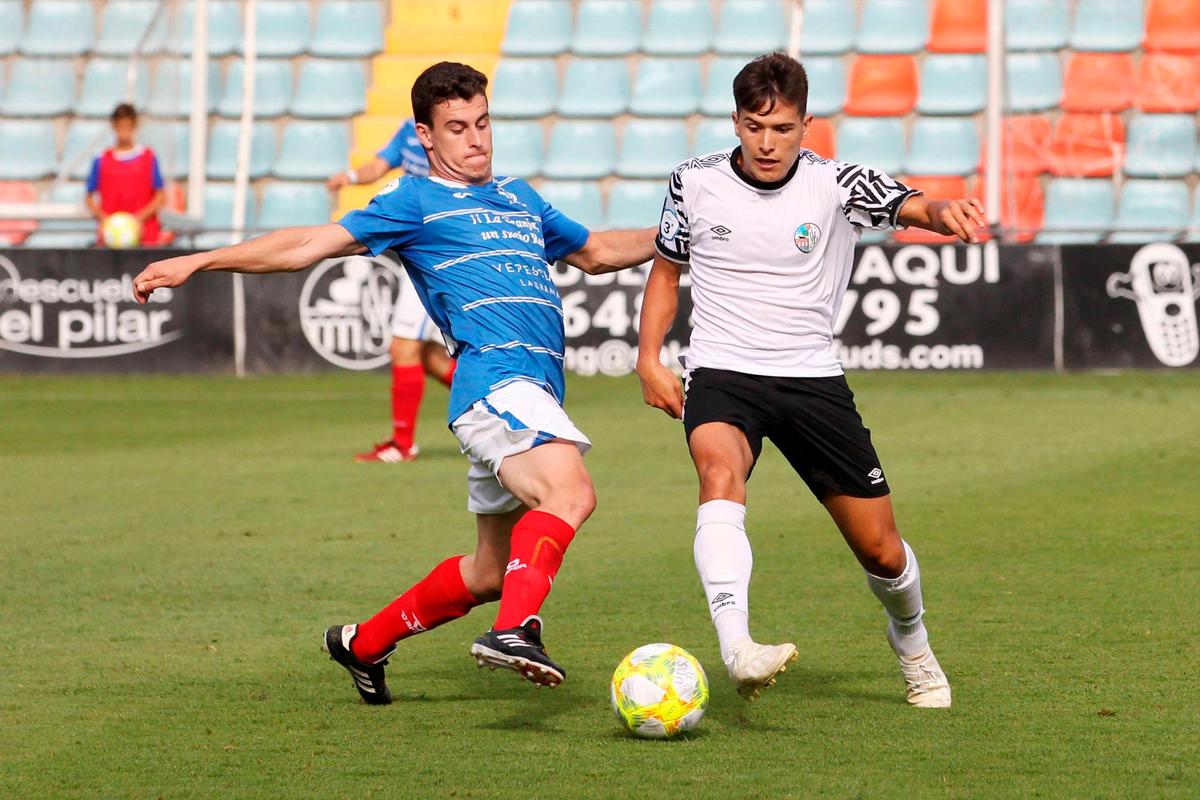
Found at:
(876, 476)
(720, 233)
(721, 598)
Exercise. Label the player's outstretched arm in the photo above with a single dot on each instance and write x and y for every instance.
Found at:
(961, 218)
(660, 387)
(610, 251)
(367, 173)
(285, 250)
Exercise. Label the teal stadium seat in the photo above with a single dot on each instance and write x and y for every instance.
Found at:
(12, 25)
(651, 148)
(104, 87)
(893, 26)
(171, 89)
(607, 28)
(826, 85)
(218, 214)
(123, 24)
(666, 87)
(595, 87)
(581, 150)
(59, 28)
(347, 29)
(752, 27)
(679, 28)
(39, 87)
(1107, 25)
(524, 87)
(170, 141)
(287, 204)
(635, 204)
(537, 28)
(517, 148)
(713, 134)
(272, 88)
(1160, 146)
(718, 85)
(1147, 207)
(86, 139)
(330, 88)
(953, 84)
(1193, 231)
(224, 28)
(64, 233)
(943, 146)
(828, 28)
(1035, 24)
(223, 147)
(27, 149)
(282, 28)
(1033, 81)
(876, 142)
(312, 150)
(579, 200)
(1078, 211)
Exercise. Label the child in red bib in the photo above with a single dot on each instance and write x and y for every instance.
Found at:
(126, 178)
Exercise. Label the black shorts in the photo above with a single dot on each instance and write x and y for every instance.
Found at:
(812, 421)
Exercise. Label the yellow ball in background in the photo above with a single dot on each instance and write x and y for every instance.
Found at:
(122, 231)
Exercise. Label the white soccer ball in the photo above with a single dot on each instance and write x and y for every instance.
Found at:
(122, 231)
(659, 691)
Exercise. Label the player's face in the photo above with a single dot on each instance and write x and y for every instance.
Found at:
(771, 138)
(460, 140)
(124, 130)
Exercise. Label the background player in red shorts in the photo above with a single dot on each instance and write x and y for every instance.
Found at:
(126, 177)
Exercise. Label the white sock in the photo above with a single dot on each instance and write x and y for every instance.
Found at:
(724, 561)
(901, 599)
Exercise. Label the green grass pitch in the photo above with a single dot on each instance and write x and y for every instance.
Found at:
(172, 549)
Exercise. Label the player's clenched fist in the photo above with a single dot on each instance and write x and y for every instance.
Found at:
(170, 272)
(661, 389)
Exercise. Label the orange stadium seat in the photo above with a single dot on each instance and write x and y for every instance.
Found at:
(1098, 82)
(819, 138)
(1168, 82)
(958, 26)
(1172, 25)
(1022, 204)
(1087, 145)
(15, 231)
(1024, 144)
(882, 86)
(941, 187)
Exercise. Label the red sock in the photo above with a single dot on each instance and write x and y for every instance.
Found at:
(448, 377)
(439, 597)
(408, 386)
(538, 543)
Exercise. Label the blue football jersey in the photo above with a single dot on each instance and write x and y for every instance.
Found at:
(405, 151)
(479, 258)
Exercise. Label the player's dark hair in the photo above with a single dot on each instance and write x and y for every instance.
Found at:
(768, 79)
(441, 82)
(124, 111)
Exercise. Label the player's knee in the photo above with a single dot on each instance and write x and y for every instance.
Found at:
(405, 351)
(719, 480)
(884, 553)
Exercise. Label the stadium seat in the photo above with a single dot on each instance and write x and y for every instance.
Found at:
(14, 231)
(826, 86)
(1172, 25)
(882, 86)
(579, 200)
(607, 28)
(958, 26)
(330, 88)
(893, 26)
(104, 85)
(347, 29)
(224, 28)
(1168, 82)
(524, 87)
(312, 150)
(282, 28)
(582, 150)
(877, 143)
(59, 28)
(1024, 144)
(953, 84)
(39, 87)
(27, 149)
(595, 87)
(718, 85)
(1022, 205)
(64, 233)
(712, 134)
(1035, 24)
(751, 27)
(1107, 25)
(666, 87)
(287, 204)
(272, 88)
(12, 25)
(678, 28)
(218, 214)
(943, 146)
(1078, 211)
(123, 24)
(1098, 82)
(819, 138)
(1161, 146)
(537, 28)
(935, 188)
(651, 148)
(171, 89)
(86, 139)
(828, 28)
(517, 148)
(223, 146)
(1086, 145)
(1193, 232)
(1033, 81)
(169, 141)
(634, 204)
(1150, 210)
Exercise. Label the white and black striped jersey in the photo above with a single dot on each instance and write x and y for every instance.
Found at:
(770, 263)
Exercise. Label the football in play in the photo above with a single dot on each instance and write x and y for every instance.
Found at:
(122, 230)
(659, 691)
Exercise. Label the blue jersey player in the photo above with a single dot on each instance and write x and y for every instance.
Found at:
(478, 249)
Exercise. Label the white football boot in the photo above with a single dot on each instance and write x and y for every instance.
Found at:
(924, 679)
(754, 667)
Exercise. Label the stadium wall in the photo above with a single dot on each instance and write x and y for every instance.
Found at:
(914, 307)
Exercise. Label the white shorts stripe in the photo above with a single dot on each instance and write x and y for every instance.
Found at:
(471, 257)
(487, 301)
